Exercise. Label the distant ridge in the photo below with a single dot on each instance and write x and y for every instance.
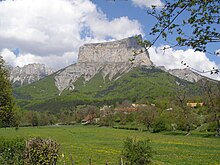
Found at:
(28, 74)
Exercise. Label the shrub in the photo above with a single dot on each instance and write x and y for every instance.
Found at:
(40, 151)
(12, 151)
(137, 152)
(159, 125)
(35, 151)
(211, 127)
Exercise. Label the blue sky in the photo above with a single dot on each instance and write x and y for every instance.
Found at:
(120, 8)
(51, 31)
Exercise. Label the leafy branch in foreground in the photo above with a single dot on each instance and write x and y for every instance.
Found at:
(197, 30)
(211, 71)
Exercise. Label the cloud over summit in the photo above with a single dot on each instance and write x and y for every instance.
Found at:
(53, 28)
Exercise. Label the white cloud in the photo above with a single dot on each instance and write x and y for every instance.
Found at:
(171, 59)
(58, 62)
(53, 28)
(117, 28)
(8, 56)
(148, 3)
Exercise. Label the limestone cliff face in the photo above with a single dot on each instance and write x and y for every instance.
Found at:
(28, 74)
(111, 59)
(111, 52)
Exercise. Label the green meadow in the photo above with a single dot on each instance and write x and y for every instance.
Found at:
(102, 144)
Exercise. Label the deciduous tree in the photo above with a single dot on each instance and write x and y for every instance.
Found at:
(7, 105)
(212, 95)
(184, 114)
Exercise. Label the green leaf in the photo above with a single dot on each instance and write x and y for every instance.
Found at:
(179, 39)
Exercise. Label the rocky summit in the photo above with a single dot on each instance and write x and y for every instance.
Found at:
(110, 59)
(28, 74)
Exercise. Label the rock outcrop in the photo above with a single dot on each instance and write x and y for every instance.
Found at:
(28, 74)
(186, 74)
(110, 59)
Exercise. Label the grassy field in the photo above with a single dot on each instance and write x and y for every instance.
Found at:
(105, 144)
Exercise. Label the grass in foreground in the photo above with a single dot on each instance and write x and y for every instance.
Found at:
(105, 144)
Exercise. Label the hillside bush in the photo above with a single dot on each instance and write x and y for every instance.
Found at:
(12, 151)
(40, 151)
(137, 152)
(35, 151)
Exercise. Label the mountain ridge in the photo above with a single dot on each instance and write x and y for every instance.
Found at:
(96, 79)
(28, 74)
(111, 58)
(141, 84)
